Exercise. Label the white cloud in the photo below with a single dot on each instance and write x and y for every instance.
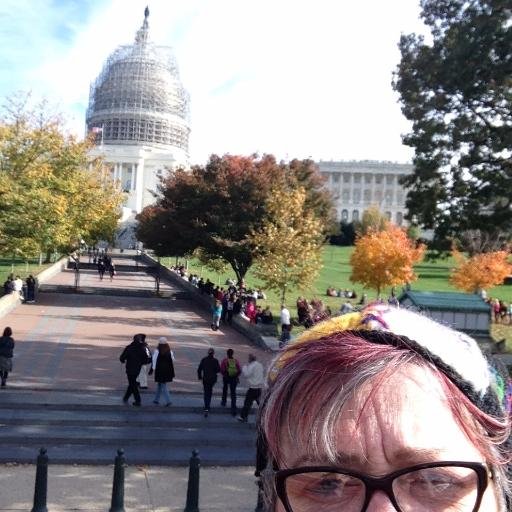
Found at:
(295, 78)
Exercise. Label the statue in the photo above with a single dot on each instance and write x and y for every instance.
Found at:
(146, 12)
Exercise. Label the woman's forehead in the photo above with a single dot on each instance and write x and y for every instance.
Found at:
(404, 420)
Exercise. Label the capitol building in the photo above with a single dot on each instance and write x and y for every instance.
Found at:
(357, 185)
(139, 113)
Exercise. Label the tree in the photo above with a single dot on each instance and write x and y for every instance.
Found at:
(289, 243)
(218, 206)
(480, 271)
(51, 194)
(385, 258)
(346, 235)
(456, 91)
(371, 220)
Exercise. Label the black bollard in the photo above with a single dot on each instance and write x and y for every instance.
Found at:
(41, 490)
(117, 504)
(260, 502)
(193, 483)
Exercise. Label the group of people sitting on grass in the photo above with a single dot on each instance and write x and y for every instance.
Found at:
(501, 312)
(346, 293)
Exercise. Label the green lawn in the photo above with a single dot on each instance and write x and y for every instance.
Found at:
(19, 267)
(432, 276)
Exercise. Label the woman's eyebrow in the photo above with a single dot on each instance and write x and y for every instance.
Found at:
(404, 456)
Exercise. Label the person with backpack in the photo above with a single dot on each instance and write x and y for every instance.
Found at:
(134, 356)
(230, 370)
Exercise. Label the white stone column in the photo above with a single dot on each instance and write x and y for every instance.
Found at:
(139, 184)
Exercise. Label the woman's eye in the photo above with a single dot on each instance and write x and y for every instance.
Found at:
(327, 485)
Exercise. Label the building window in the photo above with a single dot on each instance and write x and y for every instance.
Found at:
(356, 196)
(346, 177)
(389, 197)
(335, 177)
(357, 178)
(388, 215)
(378, 179)
(344, 215)
(345, 195)
(400, 198)
(355, 215)
(378, 196)
(367, 195)
(390, 179)
(399, 218)
(367, 178)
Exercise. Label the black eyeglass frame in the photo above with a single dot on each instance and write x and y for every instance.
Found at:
(383, 483)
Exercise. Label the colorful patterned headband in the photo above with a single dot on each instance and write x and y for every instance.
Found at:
(482, 380)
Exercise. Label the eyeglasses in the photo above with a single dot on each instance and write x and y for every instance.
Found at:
(431, 487)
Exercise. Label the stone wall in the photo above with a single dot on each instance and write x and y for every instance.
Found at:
(10, 301)
(255, 333)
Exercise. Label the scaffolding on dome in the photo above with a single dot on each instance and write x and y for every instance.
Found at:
(138, 97)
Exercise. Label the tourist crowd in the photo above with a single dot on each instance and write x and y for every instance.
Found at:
(140, 362)
(26, 290)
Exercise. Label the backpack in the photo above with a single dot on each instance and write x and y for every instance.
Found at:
(231, 368)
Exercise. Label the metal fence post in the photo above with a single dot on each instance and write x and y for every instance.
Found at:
(193, 483)
(117, 504)
(41, 489)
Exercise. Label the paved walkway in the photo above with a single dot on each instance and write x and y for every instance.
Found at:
(72, 342)
(152, 489)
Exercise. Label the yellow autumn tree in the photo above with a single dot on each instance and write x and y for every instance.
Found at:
(52, 194)
(481, 271)
(385, 258)
(289, 243)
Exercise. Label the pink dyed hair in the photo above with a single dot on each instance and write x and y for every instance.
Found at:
(317, 378)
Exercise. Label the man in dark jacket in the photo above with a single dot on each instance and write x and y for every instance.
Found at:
(207, 372)
(134, 355)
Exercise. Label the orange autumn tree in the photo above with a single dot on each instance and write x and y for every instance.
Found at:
(385, 258)
(481, 271)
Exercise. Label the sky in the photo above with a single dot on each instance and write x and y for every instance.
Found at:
(294, 78)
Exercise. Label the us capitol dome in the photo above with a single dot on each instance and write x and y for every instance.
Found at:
(139, 113)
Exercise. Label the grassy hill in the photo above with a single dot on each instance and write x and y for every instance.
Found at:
(336, 270)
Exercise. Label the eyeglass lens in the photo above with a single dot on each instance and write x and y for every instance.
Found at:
(438, 489)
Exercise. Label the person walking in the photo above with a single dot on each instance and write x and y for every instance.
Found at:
(163, 367)
(207, 372)
(285, 323)
(255, 375)
(230, 370)
(142, 378)
(216, 314)
(101, 268)
(111, 270)
(6, 354)
(134, 356)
